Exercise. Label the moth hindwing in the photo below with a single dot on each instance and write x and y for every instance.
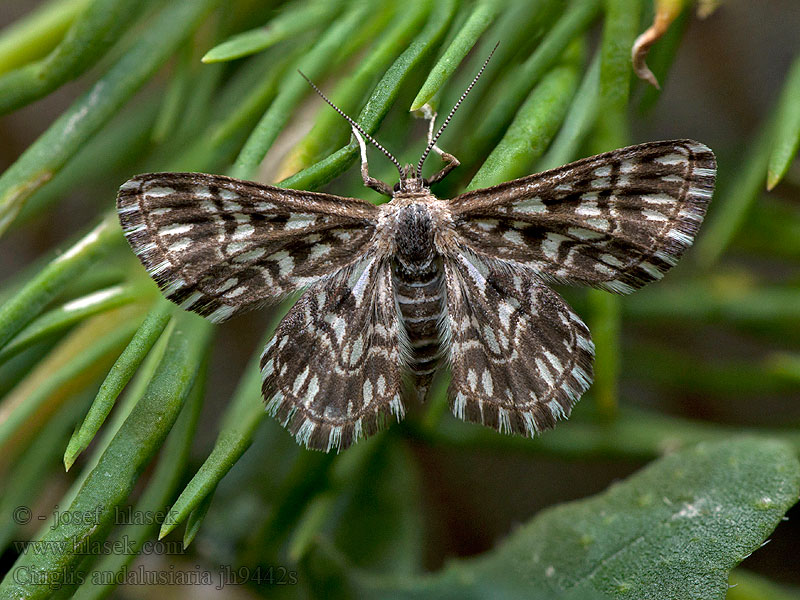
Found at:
(407, 285)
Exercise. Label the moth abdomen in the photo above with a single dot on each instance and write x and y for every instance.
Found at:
(418, 279)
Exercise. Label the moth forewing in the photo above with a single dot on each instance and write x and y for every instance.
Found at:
(617, 220)
(220, 246)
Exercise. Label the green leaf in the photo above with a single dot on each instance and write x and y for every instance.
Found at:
(767, 229)
(787, 128)
(237, 427)
(176, 97)
(605, 328)
(45, 157)
(37, 33)
(330, 131)
(481, 17)
(313, 64)
(242, 104)
(619, 32)
(518, 83)
(111, 151)
(532, 129)
(92, 33)
(228, 448)
(717, 304)
(673, 530)
(26, 304)
(118, 377)
(317, 512)
(195, 519)
(380, 493)
(371, 489)
(70, 313)
(634, 434)
(77, 361)
(731, 206)
(578, 122)
(679, 368)
(295, 20)
(113, 478)
(385, 92)
(134, 392)
(34, 468)
(155, 499)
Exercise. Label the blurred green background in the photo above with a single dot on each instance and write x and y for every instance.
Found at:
(92, 93)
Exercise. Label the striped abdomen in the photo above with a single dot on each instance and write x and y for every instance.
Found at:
(421, 299)
(419, 286)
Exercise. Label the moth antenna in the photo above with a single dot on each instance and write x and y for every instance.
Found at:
(432, 143)
(360, 129)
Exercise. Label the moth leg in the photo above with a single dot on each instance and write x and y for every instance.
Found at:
(452, 161)
(370, 182)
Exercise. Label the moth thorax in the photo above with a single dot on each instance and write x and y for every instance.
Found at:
(414, 237)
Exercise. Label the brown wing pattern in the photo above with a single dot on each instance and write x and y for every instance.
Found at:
(219, 246)
(520, 357)
(618, 220)
(331, 374)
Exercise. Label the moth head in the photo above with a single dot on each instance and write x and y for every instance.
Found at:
(410, 182)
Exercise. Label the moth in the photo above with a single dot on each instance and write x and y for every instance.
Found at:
(393, 291)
